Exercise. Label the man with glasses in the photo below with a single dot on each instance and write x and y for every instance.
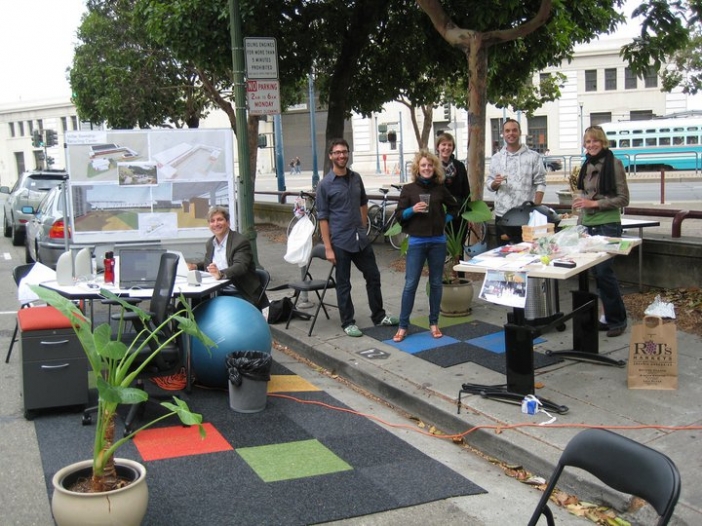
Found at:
(342, 210)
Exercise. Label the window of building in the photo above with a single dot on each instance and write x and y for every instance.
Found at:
(40, 125)
(600, 118)
(640, 115)
(629, 79)
(591, 80)
(538, 133)
(610, 79)
(543, 77)
(19, 162)
(496, 134)
(12, 128)
(64, 124)
(74, 122)
(651, 78)
(20, 128)
(30, 127)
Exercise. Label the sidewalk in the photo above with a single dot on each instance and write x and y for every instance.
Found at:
(596, 395)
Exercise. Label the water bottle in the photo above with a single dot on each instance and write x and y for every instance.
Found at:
(109, 267)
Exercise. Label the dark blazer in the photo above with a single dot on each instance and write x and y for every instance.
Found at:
(241, 270)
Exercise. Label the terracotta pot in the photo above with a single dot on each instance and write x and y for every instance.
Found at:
(457, 298)
(125, 506)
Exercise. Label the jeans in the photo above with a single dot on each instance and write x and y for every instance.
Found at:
(434, 254)
(607, 283)
(365, 262)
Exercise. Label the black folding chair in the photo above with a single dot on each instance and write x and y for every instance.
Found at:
(622, 464)
(264, 278)
(310, 284)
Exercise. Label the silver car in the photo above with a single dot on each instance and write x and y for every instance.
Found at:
(45, 239)
(29, 190)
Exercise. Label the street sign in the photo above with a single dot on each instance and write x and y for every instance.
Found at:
(263, 97)
(261, 58)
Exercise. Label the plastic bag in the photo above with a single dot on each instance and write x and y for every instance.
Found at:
(254, 365)
(660, 308)
(300, 242)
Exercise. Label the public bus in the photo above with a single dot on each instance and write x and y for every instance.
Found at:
(673, 144)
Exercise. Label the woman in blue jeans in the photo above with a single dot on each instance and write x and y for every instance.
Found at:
(604, 192)
(424, 208)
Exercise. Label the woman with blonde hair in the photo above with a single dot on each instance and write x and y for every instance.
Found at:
(603, 193)
(424, 208)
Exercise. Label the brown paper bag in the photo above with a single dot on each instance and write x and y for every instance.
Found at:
(653, 355)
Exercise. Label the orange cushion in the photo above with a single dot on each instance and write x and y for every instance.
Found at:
(41, 319)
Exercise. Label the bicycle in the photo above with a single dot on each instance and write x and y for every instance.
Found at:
(380, 220)
(305, 205)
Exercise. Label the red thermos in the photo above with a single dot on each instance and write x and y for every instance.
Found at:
(109, 267)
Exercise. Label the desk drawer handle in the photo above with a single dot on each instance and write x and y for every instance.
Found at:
(62, 366)
(55, 343)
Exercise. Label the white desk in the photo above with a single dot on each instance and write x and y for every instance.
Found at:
(519, 335)
(91, 291)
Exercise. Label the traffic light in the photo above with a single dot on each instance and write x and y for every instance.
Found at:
(447, 112)
(36, 139)
(51, 138)
(383, 132)
(392, 139)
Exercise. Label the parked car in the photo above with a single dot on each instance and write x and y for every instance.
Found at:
(45, 240)
(29, 190)
(553, 164)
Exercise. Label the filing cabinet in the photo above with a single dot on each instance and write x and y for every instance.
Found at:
(54, 366)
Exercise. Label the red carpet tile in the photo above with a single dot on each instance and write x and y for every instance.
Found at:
(179, 441)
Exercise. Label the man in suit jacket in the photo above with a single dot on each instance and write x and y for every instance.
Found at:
(228, 255)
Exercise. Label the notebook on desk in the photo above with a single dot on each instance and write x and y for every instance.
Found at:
(138, 267)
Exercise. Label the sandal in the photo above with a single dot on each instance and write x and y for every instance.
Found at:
(435, 332)
(400, 335)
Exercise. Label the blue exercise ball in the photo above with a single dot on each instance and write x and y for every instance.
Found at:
(234, 325)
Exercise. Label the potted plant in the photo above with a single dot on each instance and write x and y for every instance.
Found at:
(457, 295)
(112, 362)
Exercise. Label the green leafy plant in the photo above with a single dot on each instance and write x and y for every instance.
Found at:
(112, 362)
(472, 212)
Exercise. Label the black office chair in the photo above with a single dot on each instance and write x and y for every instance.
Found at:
(622, 464)
(318, 286)
(18, 273)
(170, 360)
(264, 278)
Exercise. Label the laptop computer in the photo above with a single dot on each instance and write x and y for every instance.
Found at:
(138, 267)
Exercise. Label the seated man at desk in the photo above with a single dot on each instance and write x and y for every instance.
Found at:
(228, 255)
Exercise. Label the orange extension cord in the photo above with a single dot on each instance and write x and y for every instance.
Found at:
(498, 428)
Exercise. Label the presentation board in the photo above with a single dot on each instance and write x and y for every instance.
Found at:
(142, 185)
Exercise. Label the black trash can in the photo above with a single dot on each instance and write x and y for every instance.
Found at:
(249, 373)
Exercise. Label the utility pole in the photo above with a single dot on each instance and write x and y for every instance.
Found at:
(245, 195)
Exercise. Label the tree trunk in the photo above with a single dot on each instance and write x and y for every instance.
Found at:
(477, 102)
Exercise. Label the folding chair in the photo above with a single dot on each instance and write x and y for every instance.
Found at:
(265, 278)
(622, 464)
(318, 286)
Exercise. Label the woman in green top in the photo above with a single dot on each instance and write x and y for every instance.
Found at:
(604, 192)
